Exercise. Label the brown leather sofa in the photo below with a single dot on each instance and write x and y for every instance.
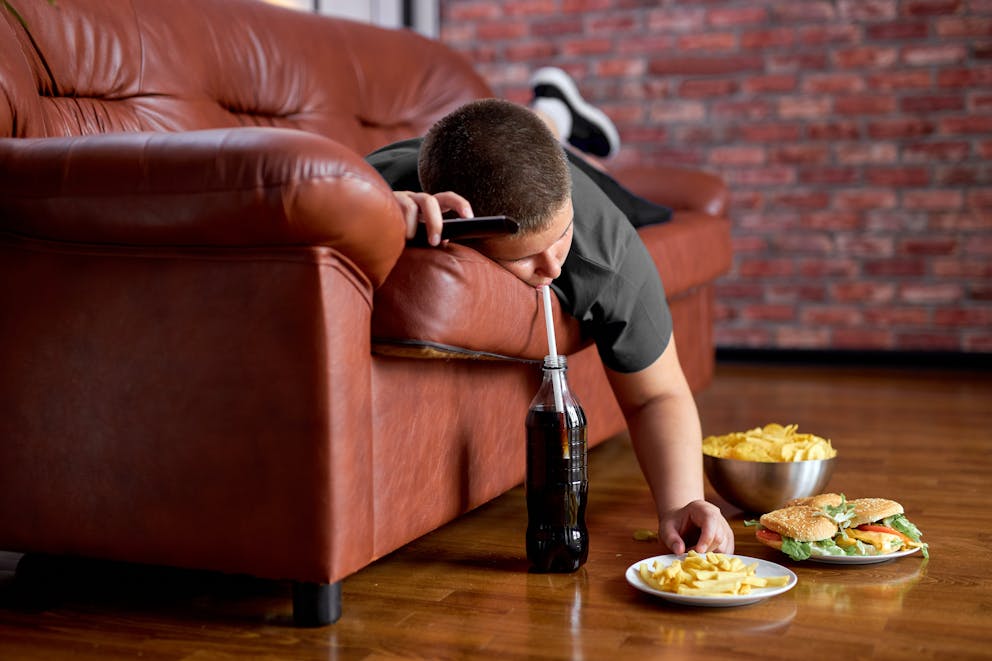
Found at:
(215, 351)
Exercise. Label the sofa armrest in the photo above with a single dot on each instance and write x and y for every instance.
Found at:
(680, 189)
(218, 188)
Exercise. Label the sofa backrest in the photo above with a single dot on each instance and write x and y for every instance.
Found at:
(99, 66)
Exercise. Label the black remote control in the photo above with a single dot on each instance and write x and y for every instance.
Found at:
(469, 228)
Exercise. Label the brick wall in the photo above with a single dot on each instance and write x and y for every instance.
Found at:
(856, 136)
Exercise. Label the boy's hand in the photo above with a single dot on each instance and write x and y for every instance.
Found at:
(697, 518)
(428, 209)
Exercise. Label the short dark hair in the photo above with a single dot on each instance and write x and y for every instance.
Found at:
(502, 158)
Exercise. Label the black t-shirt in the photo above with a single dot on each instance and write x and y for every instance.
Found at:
(608, 281)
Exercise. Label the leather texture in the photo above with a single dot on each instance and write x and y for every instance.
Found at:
(195, 261)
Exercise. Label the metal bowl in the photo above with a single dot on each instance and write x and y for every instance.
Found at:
(760, 486)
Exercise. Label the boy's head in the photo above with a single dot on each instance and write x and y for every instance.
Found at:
(502, 158)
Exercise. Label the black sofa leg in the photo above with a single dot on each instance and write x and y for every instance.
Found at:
(316, 604)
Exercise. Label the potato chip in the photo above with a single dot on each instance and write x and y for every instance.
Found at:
(771, 443)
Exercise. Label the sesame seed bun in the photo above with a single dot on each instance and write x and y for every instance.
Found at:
(800, 522)
(820, 501)
(869, 510)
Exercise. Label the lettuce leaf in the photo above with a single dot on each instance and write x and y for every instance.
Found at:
(796, 550)
(905, 526)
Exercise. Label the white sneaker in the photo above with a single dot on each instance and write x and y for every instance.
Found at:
(592, 131)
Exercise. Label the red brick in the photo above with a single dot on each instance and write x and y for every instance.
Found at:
(763, 176)
(863, 292)
(772, 132)
(931, 103)
(501, 30)
(860, 153)
(754, 109)
(927, 341)
(805, 12)
(980, 198)
(586, 46)
(902, 127)
(897, 316)
(929, 246)
(868, 10)
(529, 51)
(742, 337)
(699, 88)
(942, 200)
(980, 101)
(866, 57)
(897, 31)
(525, 7)
(971, 316)
(711, 42)
(584, 6)
(864, 104)
(704, 66)
(935, 151)
(969, 77)
(739, 291)
(677, 19)
(896, 266)
(979, 245)
(737, 155)
(833, 82)
(804, 243)
(770, 83)
(766, 312)
(748, 244)
(556, 27)
(964, 175)
(611, 24)
(977, 342)
(966, 125)
(834, 315)
(835, 267)
(919, 56)
(811, 153)
(798, 62)
(930, 7)
(724, 17)
(829, 175)
(795, 293)
(804, 107)
(905, 79)
(834, 34)
(832, 219)
(620, 67)
(964, 26)
(677, 111)
(931, 294)
(865, 198)
(863, 245)
(766, 39)
(457, 12)
(961, 268)
(964, 220)
(763, 268)
(898, 176)
(800, 199)
(861, 338)
(834, 129)
(802, 337)
(648, 43)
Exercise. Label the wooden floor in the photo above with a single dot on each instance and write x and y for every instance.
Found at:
(922, 437)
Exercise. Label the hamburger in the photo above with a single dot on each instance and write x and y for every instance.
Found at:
(830, 525)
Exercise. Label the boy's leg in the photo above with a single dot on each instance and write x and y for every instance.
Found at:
(582, 125)
(638, 210)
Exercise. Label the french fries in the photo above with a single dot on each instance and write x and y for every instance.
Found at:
(712, 574)
(770, 443)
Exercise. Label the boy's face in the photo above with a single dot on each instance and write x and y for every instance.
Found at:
(536, 258)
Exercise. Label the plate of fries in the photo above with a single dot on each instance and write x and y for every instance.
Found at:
(710, 579)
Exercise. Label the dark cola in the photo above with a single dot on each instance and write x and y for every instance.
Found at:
(557, 485)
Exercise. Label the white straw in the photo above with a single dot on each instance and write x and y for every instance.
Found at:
(552, 347)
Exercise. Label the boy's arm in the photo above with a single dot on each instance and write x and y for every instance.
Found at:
(667, 439)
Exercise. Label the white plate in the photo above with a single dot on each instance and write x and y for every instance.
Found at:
(861, 559)
(764, 569)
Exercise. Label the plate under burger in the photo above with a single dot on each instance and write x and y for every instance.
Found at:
(764, 569)
(862, 559)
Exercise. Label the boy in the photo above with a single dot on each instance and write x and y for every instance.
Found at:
(492, 157)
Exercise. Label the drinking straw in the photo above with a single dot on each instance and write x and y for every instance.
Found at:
(552, 347)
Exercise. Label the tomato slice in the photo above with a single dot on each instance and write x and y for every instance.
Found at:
(767, 535)
(876, 527)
